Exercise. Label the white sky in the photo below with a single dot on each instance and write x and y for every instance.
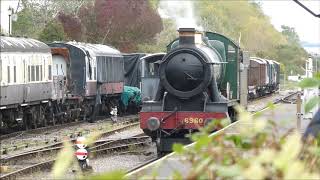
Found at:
(287, 12)
(281, 12)
(4, 20)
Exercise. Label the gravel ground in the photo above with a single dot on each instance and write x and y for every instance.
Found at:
(52, 136)
(105, 164)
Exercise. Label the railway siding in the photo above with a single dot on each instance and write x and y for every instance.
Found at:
(33, 140)
(45, 158)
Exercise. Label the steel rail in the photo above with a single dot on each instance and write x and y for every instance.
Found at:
(44, 129)
(55, 147)
(122, 145)
(107, 133)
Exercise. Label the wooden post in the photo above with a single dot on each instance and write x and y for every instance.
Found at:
(299, 114)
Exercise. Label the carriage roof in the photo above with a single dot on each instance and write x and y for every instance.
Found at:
(19, 44)
(96, 49)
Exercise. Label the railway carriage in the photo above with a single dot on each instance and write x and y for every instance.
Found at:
(25, 82)
(94, 77)
(263, 77)
(276, 82)
(47, 84)
(256, 78)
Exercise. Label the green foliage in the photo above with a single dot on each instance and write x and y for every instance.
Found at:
(311, 83)
(25, 26)
(313, 102)
(252, 152)
(291, 35)
(114, 175)
(178, 148)
(36, 17)
(64, 160)
(53, 31)
(154, 4)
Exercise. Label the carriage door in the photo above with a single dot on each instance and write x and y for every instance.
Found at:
(150, 76)
(59, 75)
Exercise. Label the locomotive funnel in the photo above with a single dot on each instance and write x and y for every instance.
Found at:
(186, 36)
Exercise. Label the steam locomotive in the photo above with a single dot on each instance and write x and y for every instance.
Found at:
(199, 80)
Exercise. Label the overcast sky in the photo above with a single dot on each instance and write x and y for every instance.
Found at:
(281, 12)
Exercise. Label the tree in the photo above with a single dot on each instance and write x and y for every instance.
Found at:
(25, 25)
(34, 15)
(71, 26)
(122, 23)
(162, 39)
(258, 36)
(290, 34)
(53, 31)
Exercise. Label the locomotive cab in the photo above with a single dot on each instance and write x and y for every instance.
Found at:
(150, 76)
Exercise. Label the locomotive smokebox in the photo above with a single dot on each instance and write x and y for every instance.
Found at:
(188, 69)
(186, 36)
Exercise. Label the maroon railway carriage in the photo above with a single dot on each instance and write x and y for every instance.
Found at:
(257, 74)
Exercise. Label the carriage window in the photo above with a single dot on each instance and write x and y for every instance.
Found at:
(62, 72)
(90, 72)
(151, 69)
(29, 74)
(14, 74)
(33, 73)
(40, 72)
(49, 72)
(57, 69)
(8, 70)
(37, 73)
(95, 73)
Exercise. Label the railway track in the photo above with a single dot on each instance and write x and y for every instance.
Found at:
(102, 147)
(47, 128)
(260, 102)
(120, 126)
(227, 128)
(46, 156)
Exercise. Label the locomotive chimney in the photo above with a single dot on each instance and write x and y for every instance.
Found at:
(186, 36)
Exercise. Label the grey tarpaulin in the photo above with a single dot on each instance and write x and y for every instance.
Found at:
(132, 69)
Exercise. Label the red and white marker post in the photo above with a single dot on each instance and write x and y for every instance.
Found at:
(82, 153)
